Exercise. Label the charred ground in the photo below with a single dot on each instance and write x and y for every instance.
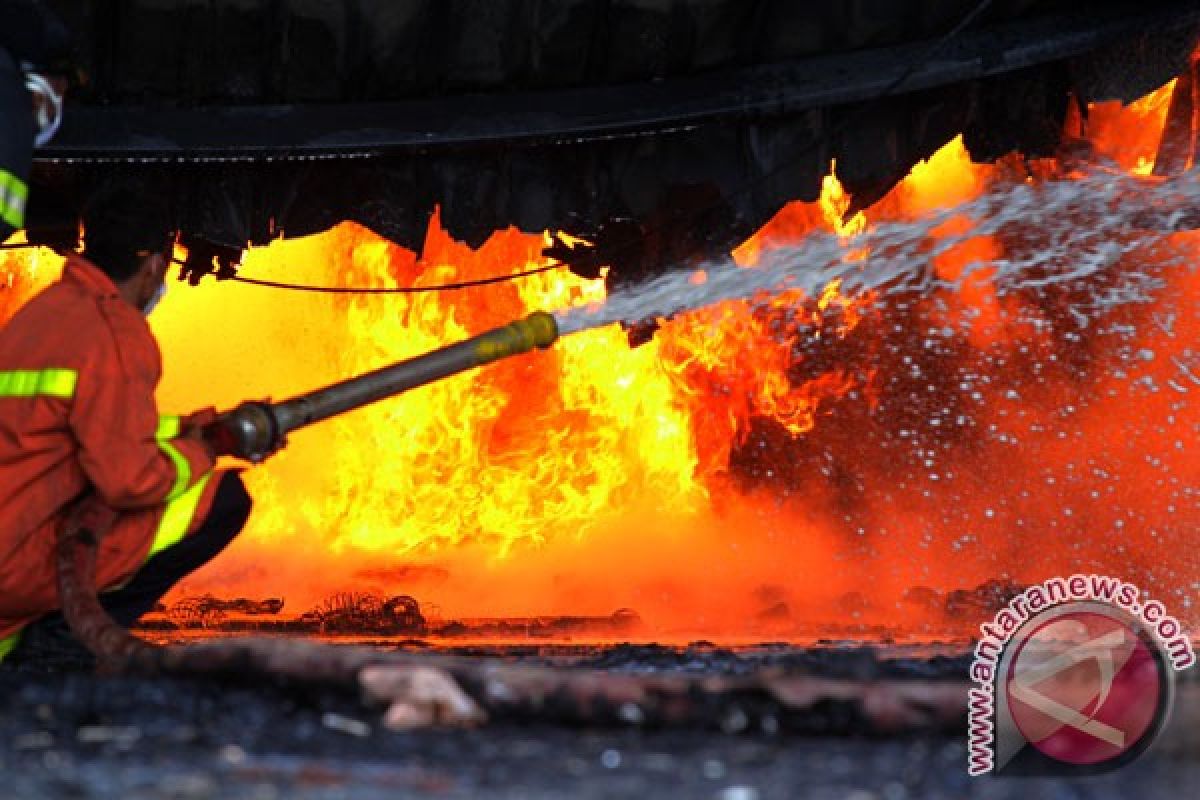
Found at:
(68, 733)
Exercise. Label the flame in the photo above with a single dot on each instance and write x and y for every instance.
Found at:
(808, 459)
(1129, 135)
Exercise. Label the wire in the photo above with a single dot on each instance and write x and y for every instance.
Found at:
(444, 287)
(301, 287)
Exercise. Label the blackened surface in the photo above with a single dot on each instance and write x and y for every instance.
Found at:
(74, 735)
(188, 52)
(192, 54)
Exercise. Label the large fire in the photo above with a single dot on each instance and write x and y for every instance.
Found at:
(746, 471)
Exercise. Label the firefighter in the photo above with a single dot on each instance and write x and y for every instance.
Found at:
(78, 370)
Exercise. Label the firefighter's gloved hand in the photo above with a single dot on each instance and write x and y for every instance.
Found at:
(248, 432)
(198, 419)
(195, 426)
(219, 439)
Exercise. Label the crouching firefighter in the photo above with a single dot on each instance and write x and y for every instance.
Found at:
(78, 370)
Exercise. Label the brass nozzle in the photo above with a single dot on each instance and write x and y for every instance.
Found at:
(542, 327)
(538, 330)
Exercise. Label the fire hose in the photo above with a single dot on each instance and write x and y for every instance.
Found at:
(252, 431)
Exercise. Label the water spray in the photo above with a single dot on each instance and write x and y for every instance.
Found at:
(1087, 220)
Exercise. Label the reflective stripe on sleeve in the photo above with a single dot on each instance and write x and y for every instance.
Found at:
(183, 470)
(177, 516)
(168, 427)
(38, 383)
(14, 193)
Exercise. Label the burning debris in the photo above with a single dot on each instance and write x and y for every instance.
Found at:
(343, 612)
(350, 612)
(362, 614)
(206, 611)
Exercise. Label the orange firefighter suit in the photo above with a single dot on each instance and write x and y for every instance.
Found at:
(78, 370)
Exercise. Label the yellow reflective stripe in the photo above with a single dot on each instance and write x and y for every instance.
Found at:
(177, 516)
(38, 382)
(183, 470)
(168, 427)
(13, 196)
(7, 645)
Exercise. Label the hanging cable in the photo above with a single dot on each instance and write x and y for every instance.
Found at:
(302, 287)
(443, 287)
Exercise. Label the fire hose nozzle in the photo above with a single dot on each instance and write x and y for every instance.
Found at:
(538, 330)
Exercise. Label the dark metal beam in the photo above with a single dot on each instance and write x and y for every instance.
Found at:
(592, 113)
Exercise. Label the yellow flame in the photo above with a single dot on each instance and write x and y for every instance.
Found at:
(518, 475)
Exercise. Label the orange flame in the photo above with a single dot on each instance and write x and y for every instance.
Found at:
(742, 462)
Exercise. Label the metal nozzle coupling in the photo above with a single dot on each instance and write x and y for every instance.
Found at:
(250, 431)
(538, 330)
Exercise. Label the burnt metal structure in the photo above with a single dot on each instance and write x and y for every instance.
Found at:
(659, 129)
